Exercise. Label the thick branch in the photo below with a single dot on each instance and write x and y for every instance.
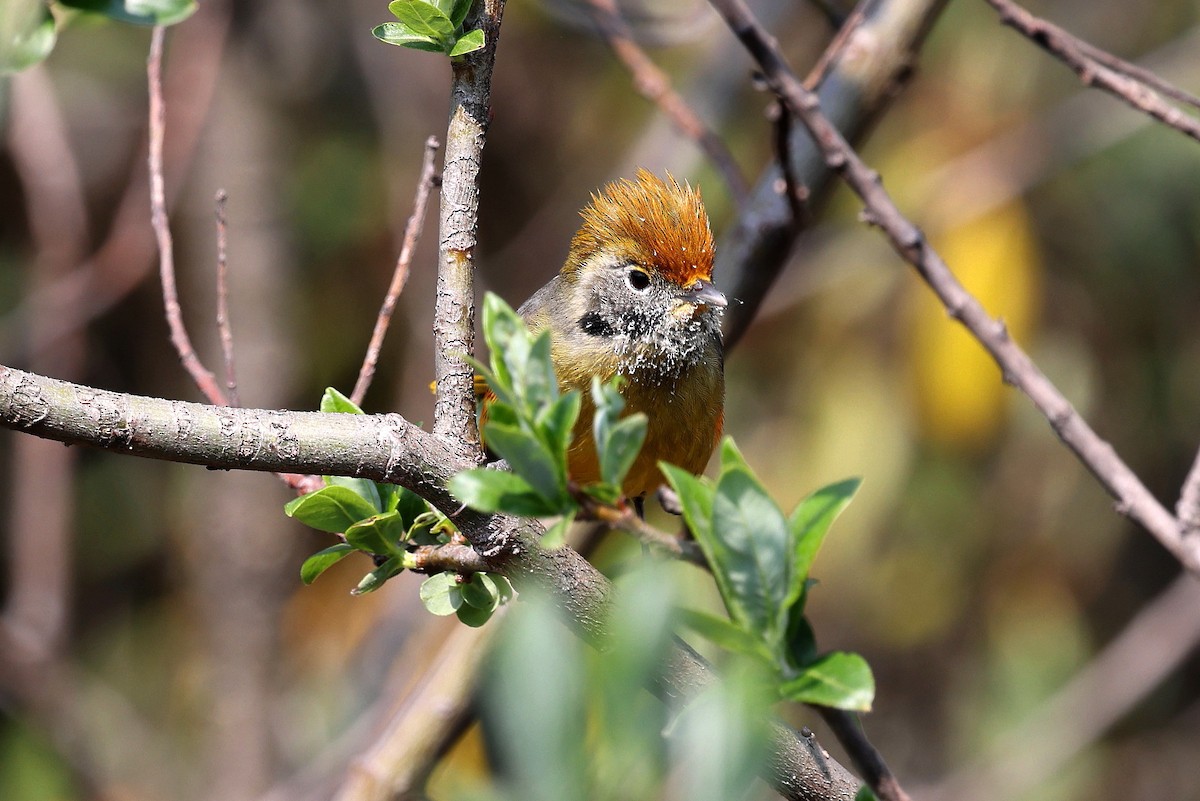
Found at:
(454, 312)
(1133, 499)
(383, 448)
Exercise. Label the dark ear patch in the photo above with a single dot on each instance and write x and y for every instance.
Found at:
(594, 325)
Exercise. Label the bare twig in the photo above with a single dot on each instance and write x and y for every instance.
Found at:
(1138, 72)
(454, 309)
(862, 69)
(449, 558)
(848, 729)
(224, 329)
(1188, 507)
(1133, 499)
(654, 84)
(1139, 659)
(1117, 77)
(412, 230)
(201, 375)
(626, 519)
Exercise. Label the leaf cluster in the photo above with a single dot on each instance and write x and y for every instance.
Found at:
(383, 521)
(529, 423)
(436, 27)
(761, 561)
(29, 28)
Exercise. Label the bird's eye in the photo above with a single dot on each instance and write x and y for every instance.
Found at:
(638, 280)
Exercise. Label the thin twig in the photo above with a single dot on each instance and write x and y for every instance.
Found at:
(848, 729)
(1134, 500)
(201, 375)
(1188, 507)
(862, 69)
(224, 328)
(1138, 72)
(1124, 82)
(654, 84)
(448, 558)
(626, 519)
(454, 307)
(412, 230)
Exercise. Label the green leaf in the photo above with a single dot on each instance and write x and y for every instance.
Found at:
(423, 19)
(865, 793)
(469, 42)
(839, 679)
(363, 487)
(379, 534)
(395, 33)
(332, 509)
(408, 504)
(334, 401)
(558, 423)
(530, 459)
(504, 588)
(622, 447)
(27, 35)
(801, 646)
(731, 456)
(457, 12)
(138, 12)
(474, 616)
(498, 491)
(441, 595)
(321, 561)
(810, 522)
(480, 592)
(376, 578)
(724, 633)
(696, 497)
(556, 535)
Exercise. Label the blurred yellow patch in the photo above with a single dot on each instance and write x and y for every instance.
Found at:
(960, 397)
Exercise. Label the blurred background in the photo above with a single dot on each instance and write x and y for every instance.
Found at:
(981, 570)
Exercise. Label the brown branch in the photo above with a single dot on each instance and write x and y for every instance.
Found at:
(1117, 77)
(1133, 499)
(1137, 72)
(454, 307)
(862, 70)
(654, 84)
(224, 329)
(201, 375)
(627, 520)
(412, 230)
(383, 448)
(847, 727)
(449, 558)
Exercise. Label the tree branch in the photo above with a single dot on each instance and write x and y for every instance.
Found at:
(1101, 70)
(1133, 499)
(382, 448)
(454, 311)
(412, 230)
(861, 72)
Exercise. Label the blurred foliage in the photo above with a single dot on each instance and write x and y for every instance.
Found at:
(980, 568)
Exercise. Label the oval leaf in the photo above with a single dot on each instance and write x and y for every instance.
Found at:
(31, 35)
(333, 509)
(841, 680)
(498, 491)
(441, 595)
(321, 561)
(138, 12)
(336, 402)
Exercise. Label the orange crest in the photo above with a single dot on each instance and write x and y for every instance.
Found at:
(657, 223)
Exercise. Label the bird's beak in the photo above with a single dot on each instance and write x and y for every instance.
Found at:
(703, 293)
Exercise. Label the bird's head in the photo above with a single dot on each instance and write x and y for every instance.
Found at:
(640, 269)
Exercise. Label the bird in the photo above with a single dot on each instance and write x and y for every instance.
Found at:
(635, 298)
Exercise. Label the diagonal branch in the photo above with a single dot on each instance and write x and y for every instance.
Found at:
(653, 84)
(412, 230)
(1102, 70)
(1134, 500)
